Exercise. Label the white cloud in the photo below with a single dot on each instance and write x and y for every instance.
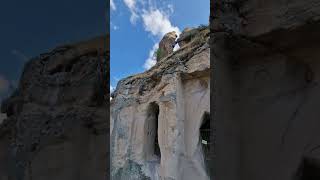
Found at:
(134, 17)
(170, 7)
(112, 5)
(155, 20)
(115, 27)
(131, 4)
(151, 61)
(157, 23)
(176, 47)
(116, 78)
(112, 89)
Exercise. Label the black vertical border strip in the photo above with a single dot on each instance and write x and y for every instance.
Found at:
(107, 89)
(212, 95)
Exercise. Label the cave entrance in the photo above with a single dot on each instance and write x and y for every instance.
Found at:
(205, 138)
(310, 169)
(153, 116)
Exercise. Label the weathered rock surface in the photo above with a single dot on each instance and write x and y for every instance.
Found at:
(166, 45)
(266, 74)
(2, 116)
(156, 117)
(186, 36)
(57, 118)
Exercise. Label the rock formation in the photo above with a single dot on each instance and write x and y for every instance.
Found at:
(2, 116)
(57, 118)
(186, 35)
(160, 118)
(266, 73)
(166, 45)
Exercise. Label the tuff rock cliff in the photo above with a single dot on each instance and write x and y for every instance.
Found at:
(266, 74)
(156, 116)
(57, 118)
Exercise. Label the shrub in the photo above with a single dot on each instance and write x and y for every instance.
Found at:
(157, 54)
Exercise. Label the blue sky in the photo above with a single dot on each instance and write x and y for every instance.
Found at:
(138, 25)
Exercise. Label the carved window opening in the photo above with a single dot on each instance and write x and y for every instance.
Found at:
(153, 115)
(205, 137)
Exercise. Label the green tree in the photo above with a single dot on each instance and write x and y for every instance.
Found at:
(157, 54)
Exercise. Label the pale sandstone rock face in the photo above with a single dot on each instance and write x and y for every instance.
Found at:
(181, 40)
(57, 118)
(166, 45)
(186, 36)
(266, 78)
(166, 106)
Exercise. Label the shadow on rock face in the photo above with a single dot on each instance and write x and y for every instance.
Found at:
(56, 124)
(310, 169)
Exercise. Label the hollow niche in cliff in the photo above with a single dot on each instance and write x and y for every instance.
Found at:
(310, 169)
(205, 136)
(153, 149)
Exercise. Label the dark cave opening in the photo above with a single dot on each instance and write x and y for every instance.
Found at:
(310, 169)
(154, 115)
(205, 137)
